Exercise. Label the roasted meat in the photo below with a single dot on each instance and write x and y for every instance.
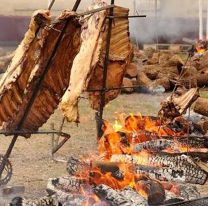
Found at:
(40, 55)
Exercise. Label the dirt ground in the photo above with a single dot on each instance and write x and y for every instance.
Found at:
(31, 158)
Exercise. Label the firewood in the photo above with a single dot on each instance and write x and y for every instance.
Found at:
(127, 83)
(133, 195)
(154, 59)
(112, 196)
(164, 81)
(178, 103)
(143, 80)
(134, 81)
(194, 141)
(188, 77)
(152, 71)
(197, 146)
(164, 57)
(76, 166)
(149, 52)
(66, 184)
(202, 78)
(202, 156)
(167, 167)
(204, 61)
(156, 145)
(66, 191)
(201, 106)
(175, 60)
(155, 192)
(131, 70)
(179, 174)
(44, 201)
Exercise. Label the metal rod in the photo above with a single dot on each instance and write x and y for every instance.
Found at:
(96, 10)
(51, 4)
(76, 5)
(111, 89)
(60, 145)
(33, 132)
(105, 72)
(32, 99)
(8, 153)
(134, 16)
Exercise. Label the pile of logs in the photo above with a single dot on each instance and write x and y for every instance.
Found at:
(151, 69)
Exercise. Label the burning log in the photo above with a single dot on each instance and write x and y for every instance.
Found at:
(201, 106)
(167, 167)
(67, 190)
(112, 196)
(153, 190)
(47, 200)
(154, 194)
(66, 184)
(194, 141)
(178, 174)
(155, 145)
(75, 166)
(197, 147)
(133, 195)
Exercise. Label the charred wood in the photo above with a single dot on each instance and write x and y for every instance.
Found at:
(197, 147)
(114, 197)
(76, 166)
(44, 201)
(155, 192)
(66, 184)
(155, 145)
(166, 167)
(178, 102)
(133, 196)
(190, 141)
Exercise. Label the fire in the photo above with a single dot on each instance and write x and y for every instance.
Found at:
(201, 47)
(118, 162)
(117, 126)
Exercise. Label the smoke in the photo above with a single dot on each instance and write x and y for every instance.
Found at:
(174, 20)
